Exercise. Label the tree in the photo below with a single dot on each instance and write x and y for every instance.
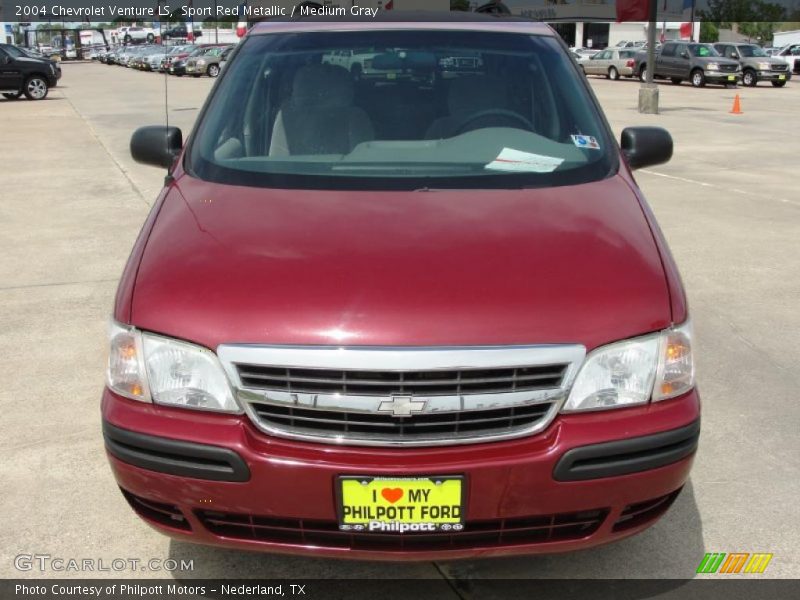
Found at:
(709, 32)
(459, 5)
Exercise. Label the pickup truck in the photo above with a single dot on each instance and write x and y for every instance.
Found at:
(180, 32)
(697, 63)
(756, 64)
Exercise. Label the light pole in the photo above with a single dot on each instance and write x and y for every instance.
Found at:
(648, 92)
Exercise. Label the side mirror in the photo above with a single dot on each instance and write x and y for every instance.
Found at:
(684, 54)
(156, 145)
(646, 146)
(734, 55)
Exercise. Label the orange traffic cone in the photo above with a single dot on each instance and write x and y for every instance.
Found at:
(737, 106)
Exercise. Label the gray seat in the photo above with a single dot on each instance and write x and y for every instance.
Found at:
(319, 117)
(468, 96)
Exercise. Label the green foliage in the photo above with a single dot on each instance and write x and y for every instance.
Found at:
(709, 32)
(459, 5)
(742, 11)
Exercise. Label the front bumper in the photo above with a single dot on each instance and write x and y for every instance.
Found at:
(723, 77)
(276, 495)
(773, 75)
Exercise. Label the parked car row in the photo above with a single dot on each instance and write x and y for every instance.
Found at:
(188, 59)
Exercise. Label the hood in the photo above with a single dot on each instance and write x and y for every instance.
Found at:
(716, 59)
(228, 264)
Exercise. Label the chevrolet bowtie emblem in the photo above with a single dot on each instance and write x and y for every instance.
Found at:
(402, 406)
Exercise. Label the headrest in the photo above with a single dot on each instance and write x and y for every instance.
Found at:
(322, 86)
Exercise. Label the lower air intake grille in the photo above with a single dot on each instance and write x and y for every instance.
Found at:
(476, 534)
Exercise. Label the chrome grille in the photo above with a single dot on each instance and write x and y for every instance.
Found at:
(401, 396)
(388, 383)
(780, 67)
(729, 68)
(402, 428)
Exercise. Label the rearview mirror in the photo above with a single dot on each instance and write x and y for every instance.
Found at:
(156, 145)
(646, 146)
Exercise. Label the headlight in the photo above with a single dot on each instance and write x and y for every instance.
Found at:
(764, 66)
(712, 66)
(152, 368)
(657, 367)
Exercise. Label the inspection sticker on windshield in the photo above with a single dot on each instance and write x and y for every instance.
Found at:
(524, 162)
(585, 141)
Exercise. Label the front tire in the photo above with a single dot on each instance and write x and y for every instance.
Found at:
(13, 95)
(150, 38)
(778, 83)
(643, 73)
(698, 78)
(749, 78)
(213, 70)
(36, 88)
(613, 74)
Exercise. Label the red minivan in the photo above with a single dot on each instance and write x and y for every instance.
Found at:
(426, 314)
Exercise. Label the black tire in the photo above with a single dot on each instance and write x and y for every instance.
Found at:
(643, 73)
(698, 78)
(213, 70)
(676, 80)
(35, 88)
(13, 95)
(613, 74)
(150, 38)
(778, 83)
(749, 78)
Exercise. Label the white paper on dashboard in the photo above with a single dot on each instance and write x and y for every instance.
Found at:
(524, 162)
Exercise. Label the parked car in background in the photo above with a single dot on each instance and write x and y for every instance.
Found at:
(137, 35)
(178, 56)
(612, 63)
(629, 44)
(587, 52)
(756, 64)
(142, 59)
(206, 62)
(790, 54)
(384, 319)
(34, 54)
(178, 64)
(180, 32)
(23, 74)
(697, 63)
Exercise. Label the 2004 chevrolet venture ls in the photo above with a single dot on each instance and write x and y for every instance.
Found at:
(401, 298)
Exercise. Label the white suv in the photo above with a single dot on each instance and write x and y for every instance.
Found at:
(127, 35)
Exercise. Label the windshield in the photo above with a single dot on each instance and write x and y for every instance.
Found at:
(13, 51)
(702, 50)
(401, 110)
(750, 51)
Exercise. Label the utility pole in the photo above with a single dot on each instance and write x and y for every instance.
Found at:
(648, 92)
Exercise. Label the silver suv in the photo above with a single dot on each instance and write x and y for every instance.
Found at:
(756, 64)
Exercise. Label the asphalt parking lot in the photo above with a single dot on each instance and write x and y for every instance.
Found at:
(72, 202)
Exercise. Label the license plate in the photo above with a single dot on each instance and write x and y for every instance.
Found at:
(781, 77)
(731, 77)
(401, 504)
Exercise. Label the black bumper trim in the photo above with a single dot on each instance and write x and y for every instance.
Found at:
(174, 457)
(622, 457)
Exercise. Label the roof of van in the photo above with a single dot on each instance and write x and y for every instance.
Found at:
(394, 20)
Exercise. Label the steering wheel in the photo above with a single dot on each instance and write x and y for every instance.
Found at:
(492, 112)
